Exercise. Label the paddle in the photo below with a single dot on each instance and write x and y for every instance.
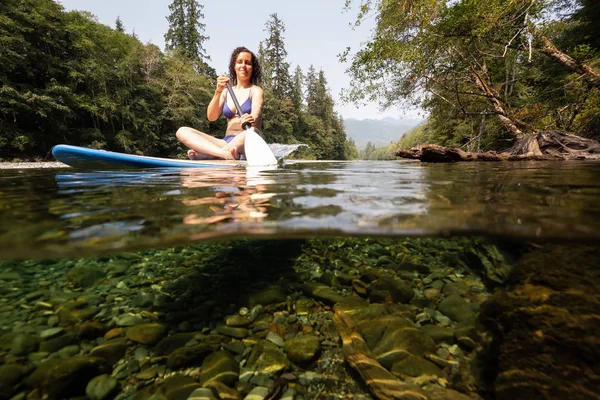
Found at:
(257, 151)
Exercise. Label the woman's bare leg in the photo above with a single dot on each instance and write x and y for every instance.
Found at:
(237, 144)
(205, 147)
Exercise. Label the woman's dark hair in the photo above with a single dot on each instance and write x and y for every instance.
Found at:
(256, 69)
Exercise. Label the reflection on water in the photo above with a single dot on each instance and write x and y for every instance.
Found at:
(69, 212)
(117, 312)
(240, 196)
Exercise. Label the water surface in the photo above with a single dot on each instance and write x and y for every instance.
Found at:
(68, 212)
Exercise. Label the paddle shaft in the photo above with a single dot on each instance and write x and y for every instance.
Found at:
(245, 125)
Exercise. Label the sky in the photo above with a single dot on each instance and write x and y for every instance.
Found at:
(316, 32)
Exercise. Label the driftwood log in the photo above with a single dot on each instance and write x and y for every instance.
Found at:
(382, 383)
(545, 145)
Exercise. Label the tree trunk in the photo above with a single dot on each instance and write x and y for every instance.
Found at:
(382, 383)
(490, 94)
(546, 46)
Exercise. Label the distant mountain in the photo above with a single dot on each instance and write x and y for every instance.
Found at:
(380, 132)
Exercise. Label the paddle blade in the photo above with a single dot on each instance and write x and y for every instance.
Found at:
(258, 152)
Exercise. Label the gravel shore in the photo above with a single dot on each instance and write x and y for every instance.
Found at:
(27, 165)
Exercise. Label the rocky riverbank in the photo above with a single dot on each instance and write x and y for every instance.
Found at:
(29, 165)
(251, 320)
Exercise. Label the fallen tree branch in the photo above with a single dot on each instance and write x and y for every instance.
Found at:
(382, 383)
(546, 145)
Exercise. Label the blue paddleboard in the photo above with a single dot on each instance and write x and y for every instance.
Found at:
(82, 157)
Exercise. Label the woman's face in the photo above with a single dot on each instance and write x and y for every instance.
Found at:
(243, 65)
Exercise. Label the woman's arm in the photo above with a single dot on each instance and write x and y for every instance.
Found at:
(215, 106)
(257, 106)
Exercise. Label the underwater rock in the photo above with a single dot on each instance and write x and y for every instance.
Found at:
(303, 349)
(74, 313)
(258, 393)
(274, 338)
(22, 343)
(10, 376)
(329, 279)
(237, 321)
(360, 288)
(408, 266)
(202, 394)
(111, 351)
(128, 319)
(102, 387)
(190, 355)
(270, 295)
(237, 333)
(458, 288)
(91, 330)
(223, 391)
(457, 308)
(114, 333)
(148, 373)
(219, 366)
(431, 294)
(172, 342)
(177, 387)
(57, 343)
(84, 276)
(305, 306)
(397, 344)
(267, 358)
(387, 289)
(9, 276)
(490, 263)
(414, 366)
(146, 333)
(51, 332)
(351, 304)
(321, 292)
(65, 378)
(373, 329)
(438, 333)
(143, 300)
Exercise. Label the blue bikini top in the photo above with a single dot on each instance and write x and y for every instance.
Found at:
(246, 107)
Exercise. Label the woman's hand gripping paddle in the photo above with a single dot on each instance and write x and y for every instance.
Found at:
(257, 151)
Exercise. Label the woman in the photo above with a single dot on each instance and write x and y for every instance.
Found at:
(245, 69)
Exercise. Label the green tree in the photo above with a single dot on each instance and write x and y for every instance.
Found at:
(468, 60)
(186, 33)
(276, 68)
(297, 92)
(35, 100)
(119, 25)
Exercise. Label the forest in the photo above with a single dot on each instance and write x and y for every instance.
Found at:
(486, 72)
(66, 78)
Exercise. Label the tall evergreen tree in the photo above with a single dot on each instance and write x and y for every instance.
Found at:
(297, 97)
(311, 87)
(277, 68)
(186, 33)
(266, 67)
(318, 98)
(297, 92)
(119, 25)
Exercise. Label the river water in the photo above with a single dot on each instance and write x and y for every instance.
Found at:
(142, 282)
